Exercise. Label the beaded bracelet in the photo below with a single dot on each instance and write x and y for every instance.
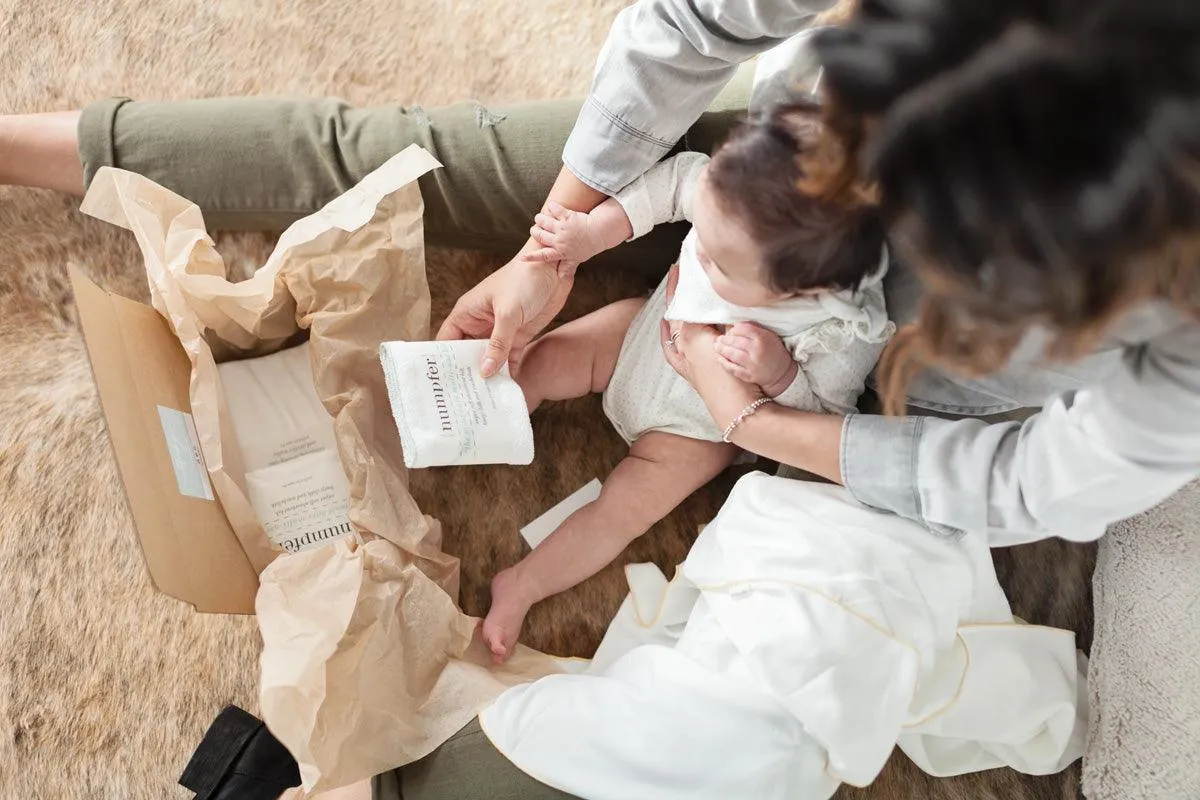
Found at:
(745, 414)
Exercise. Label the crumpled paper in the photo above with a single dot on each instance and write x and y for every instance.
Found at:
(368, 663)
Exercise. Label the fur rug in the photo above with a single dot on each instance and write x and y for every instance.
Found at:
(105, 685)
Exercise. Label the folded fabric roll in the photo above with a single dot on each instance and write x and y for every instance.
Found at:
(447, 412)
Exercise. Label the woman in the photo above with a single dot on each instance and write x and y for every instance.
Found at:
(1038, 168)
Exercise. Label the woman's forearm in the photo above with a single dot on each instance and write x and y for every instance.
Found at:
(573, 193)
(801, 439)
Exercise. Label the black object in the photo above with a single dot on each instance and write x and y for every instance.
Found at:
(239, 759)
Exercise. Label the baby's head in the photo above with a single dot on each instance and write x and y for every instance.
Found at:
(760, 237)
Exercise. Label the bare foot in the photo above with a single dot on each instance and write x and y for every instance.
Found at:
(502, 626)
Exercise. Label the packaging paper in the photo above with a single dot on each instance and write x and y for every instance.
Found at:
(367, 662)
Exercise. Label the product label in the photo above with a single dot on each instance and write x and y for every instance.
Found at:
(191, 476)
(462, 401)
(302, 503)
(300, 445)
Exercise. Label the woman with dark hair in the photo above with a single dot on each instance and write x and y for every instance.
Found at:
(1040, 173)
(1038, 164)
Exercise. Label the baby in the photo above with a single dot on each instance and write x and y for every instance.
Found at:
(795, 282)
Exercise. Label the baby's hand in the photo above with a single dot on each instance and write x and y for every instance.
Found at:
(564, 235)
(756, 355)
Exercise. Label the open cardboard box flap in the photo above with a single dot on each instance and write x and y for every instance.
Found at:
(142, 375)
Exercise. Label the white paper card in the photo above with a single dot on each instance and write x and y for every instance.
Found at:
(304, 502)
(294, 477)
(536, 532)
(191, 476)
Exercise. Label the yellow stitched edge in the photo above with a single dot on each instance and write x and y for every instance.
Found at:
(967, 649)
(962, 680)
(662, 601)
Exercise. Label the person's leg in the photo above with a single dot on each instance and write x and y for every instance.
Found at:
(41, 150)
(659, 473)
(466, 767)
(261, 163)
(577, 358)
(363, 790)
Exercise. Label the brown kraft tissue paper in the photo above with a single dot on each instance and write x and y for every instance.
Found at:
(367, 663)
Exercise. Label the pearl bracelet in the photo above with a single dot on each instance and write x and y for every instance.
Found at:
(745, 414)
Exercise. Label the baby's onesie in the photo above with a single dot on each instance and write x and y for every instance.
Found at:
(836, 337)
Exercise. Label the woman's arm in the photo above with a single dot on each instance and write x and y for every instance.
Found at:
(1088, 459)
(802, 439)
(663, 63)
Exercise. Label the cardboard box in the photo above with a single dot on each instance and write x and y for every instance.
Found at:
(142, 376)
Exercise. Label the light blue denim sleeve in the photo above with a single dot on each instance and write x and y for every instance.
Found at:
(1089, 458)
(663, 63)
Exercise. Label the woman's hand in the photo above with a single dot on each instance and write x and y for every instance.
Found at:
(509, 308)
(756, 355)
(513, 304)
(692, 351)
(802, 439)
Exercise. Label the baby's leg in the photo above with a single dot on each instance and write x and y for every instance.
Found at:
(577, 358)
(661, 470)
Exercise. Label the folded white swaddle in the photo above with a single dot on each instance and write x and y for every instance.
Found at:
(802, 640)
(447, 412)
(294, 476)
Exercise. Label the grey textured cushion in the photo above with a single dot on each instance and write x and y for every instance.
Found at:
(1144, 678)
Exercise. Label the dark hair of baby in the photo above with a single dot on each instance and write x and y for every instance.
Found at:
(808, 242)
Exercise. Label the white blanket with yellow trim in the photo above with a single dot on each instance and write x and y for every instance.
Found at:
(803, 638)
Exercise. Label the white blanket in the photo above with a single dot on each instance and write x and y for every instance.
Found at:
(802, 639)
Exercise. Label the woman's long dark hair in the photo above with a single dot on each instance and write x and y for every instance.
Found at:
(1037, 163)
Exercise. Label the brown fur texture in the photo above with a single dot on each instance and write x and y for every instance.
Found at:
(105, 685)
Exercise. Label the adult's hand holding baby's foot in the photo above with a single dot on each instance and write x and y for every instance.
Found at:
(510, 604)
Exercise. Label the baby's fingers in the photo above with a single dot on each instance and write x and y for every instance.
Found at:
(546, 221)
(543, 237)
(729, 352)
(543, 254)
(557, 210)
(736, 370)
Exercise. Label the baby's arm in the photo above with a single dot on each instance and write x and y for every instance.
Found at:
(664, 194)
(833, 381)
(825, 381)
(754, 354)
(575, 236)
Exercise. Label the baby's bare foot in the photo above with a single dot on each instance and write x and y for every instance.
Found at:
(502, 627)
